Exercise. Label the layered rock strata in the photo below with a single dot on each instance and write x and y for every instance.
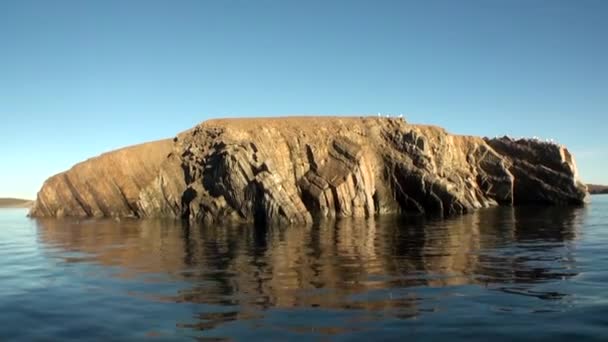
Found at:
(292, 170)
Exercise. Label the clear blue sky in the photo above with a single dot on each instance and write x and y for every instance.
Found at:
(79, 77)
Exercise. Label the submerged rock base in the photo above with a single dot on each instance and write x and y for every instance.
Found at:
(290, 170)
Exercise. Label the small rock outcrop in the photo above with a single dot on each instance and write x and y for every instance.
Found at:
(293, 170)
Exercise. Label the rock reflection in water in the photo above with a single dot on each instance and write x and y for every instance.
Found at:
(349, 264)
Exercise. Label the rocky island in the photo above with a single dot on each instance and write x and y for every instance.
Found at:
(294, 170)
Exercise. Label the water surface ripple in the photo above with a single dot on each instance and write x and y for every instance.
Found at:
(507, 274)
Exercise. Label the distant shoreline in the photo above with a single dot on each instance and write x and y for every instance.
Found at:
(595, 189)
(15, 203)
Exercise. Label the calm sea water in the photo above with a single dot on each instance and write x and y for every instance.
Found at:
(500, 274)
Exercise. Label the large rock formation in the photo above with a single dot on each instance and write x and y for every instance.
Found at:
(291, 170)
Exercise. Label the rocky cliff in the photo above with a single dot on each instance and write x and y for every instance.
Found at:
(291, 170)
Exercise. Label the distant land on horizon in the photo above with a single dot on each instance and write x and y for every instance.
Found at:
(15, 203)
(596, 189)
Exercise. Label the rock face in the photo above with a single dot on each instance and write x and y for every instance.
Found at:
(291, 170)
(544, 173)
(108, 185)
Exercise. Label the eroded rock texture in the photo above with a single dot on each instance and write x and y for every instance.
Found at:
(544, 173)
(291, 170)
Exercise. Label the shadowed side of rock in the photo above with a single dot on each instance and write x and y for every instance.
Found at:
(545, 173)
(293, 170)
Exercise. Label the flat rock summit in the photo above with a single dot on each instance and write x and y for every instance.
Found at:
(294, 170)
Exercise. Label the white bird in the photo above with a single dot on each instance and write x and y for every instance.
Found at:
(388, 116)
(379, 114)
(400, 116)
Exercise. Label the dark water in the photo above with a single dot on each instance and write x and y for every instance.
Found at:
(505, 274)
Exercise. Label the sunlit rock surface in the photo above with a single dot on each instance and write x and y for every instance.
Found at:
(292, 170)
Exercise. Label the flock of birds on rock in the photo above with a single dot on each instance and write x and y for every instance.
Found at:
(400, 116)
